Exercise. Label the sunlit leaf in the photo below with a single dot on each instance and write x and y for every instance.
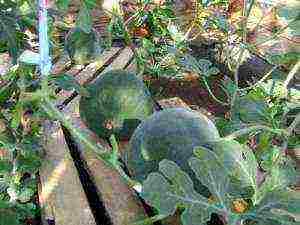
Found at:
(281, 206)
(235, 161)
(29, 57)
(17, 115)
(171, 188)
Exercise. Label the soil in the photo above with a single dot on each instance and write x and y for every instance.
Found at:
(190, 90)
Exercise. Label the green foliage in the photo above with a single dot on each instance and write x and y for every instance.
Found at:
(230, 171)
(20, 150)
(15, 16)
(220, 169)
(172, 188)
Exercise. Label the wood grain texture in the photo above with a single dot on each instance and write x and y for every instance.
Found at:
(60, 188)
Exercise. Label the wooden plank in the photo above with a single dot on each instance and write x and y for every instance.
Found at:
(120, 201)
(121, 61)
(60, 188)
(62, 63)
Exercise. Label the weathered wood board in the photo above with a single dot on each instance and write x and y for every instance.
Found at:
(60, 188)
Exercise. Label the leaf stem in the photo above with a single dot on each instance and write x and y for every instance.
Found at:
(250, 129)
(260, 81)
(294, 124)
(291, 75)
(212, 94)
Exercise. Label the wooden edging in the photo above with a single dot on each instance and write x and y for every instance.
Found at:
(60, 188)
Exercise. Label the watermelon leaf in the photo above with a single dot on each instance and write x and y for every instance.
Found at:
(225, 168)
(201, 66)
(171, 188)
(278, 207)
(234, 160)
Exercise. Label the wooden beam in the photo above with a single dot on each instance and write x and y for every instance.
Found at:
(60, 188)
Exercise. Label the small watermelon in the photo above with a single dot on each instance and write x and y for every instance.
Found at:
(118, 101)
(83, 47)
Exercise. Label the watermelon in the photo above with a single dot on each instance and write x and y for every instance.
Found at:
(83, 47)
(118, 101)
(169, 134)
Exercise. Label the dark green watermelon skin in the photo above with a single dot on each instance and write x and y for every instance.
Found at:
(83, 47)
(169, 134)
(119, 98)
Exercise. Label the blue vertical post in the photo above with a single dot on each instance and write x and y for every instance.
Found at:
(45, 60)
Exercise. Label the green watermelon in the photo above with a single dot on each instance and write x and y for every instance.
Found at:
(83, 47)
(169, 134)
(118, 101)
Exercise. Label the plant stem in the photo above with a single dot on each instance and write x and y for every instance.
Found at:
(236, 77)
(291, 75)
(260, 81)
(294, 124)
(212, 94)
(150, 221)
(245, 13)
(53, 112)
(247, 130)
